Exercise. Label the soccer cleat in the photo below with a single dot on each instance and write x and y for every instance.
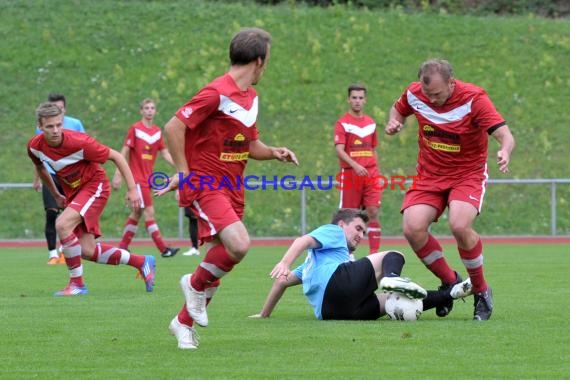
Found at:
(444, 310)
(170, 252)
(191, 252)
(148, 272)
(53, 260)
(195, 301)
(462, 289)
(483, 303)
(72, 290)
(404, 286)
(186, 336)
(61, 259)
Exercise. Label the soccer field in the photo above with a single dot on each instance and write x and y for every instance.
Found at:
(119, 331)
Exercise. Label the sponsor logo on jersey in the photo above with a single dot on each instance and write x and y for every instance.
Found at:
(238, 141)
(72, 184)
(435, 132)
(361, 153)
(453, 148)
(225, 156)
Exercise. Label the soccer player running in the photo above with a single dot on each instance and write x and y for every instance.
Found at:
(142, 144)
(50, 205)
(340, 289)
(454, 119)
(213, 135)
(355, 142)
(75, 158)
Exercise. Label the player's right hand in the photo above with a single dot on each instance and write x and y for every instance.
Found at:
(172, 186)
(394, 126)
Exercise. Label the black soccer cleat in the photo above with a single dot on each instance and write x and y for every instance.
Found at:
(483, 303)
(444, 310)
(170, 252)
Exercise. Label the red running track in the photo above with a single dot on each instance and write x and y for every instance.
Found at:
(272, 242)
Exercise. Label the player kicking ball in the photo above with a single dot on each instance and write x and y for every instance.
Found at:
(76, 157)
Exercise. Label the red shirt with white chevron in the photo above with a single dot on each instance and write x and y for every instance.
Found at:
(452, 138)
(75, 162)
(144, 144)
(222, 122)
(358, 134)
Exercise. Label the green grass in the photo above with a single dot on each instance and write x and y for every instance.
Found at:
(106, 56)
(120, 331)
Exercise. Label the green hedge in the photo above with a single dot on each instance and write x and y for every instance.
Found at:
(545, 8)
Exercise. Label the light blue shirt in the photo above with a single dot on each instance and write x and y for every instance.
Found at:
(68, 123)
(322, 262)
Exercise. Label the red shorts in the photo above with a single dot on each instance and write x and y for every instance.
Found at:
(146, 195)
(215, 211)
(357, 191)
(90, 202)
(439, 191)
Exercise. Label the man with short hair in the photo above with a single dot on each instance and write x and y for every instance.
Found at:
(355, 140)
(454, 121)
(142, 144)
(214, 135)
(75, 158)
(340, 289)
(50, 206)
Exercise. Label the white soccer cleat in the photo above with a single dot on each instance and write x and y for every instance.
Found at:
(191, 252)
(404, 286)
(186, 336)
(462, 289)
(195, 301)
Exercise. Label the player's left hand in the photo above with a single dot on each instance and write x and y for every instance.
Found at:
(172, 186)
(503, 159)
(133, 199)
(60, 201)
(281, 269)
(285, 155)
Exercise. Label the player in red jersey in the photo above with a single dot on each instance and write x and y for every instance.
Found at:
(454, 119)
(355, 141)
(213, 136)
(142, 144)
(75, 158)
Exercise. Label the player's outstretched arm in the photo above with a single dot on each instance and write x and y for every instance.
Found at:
(175, 132)
(45, 177)
(116, 181)
(259, 151)
(395, 122)
(133, 197)
(505, 138)
(277, 290)
(300, 245)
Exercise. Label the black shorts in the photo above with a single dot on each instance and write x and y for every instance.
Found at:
(350, 293)
(188, 213)
(49, 200)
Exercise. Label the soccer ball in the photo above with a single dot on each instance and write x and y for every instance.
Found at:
(401, 308)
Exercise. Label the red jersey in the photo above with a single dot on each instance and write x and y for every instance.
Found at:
(75, 162)
(358, 134)
(144, 144)
(222, 122)
(452, 138)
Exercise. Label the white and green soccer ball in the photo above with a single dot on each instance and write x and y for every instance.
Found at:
(401, 308)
